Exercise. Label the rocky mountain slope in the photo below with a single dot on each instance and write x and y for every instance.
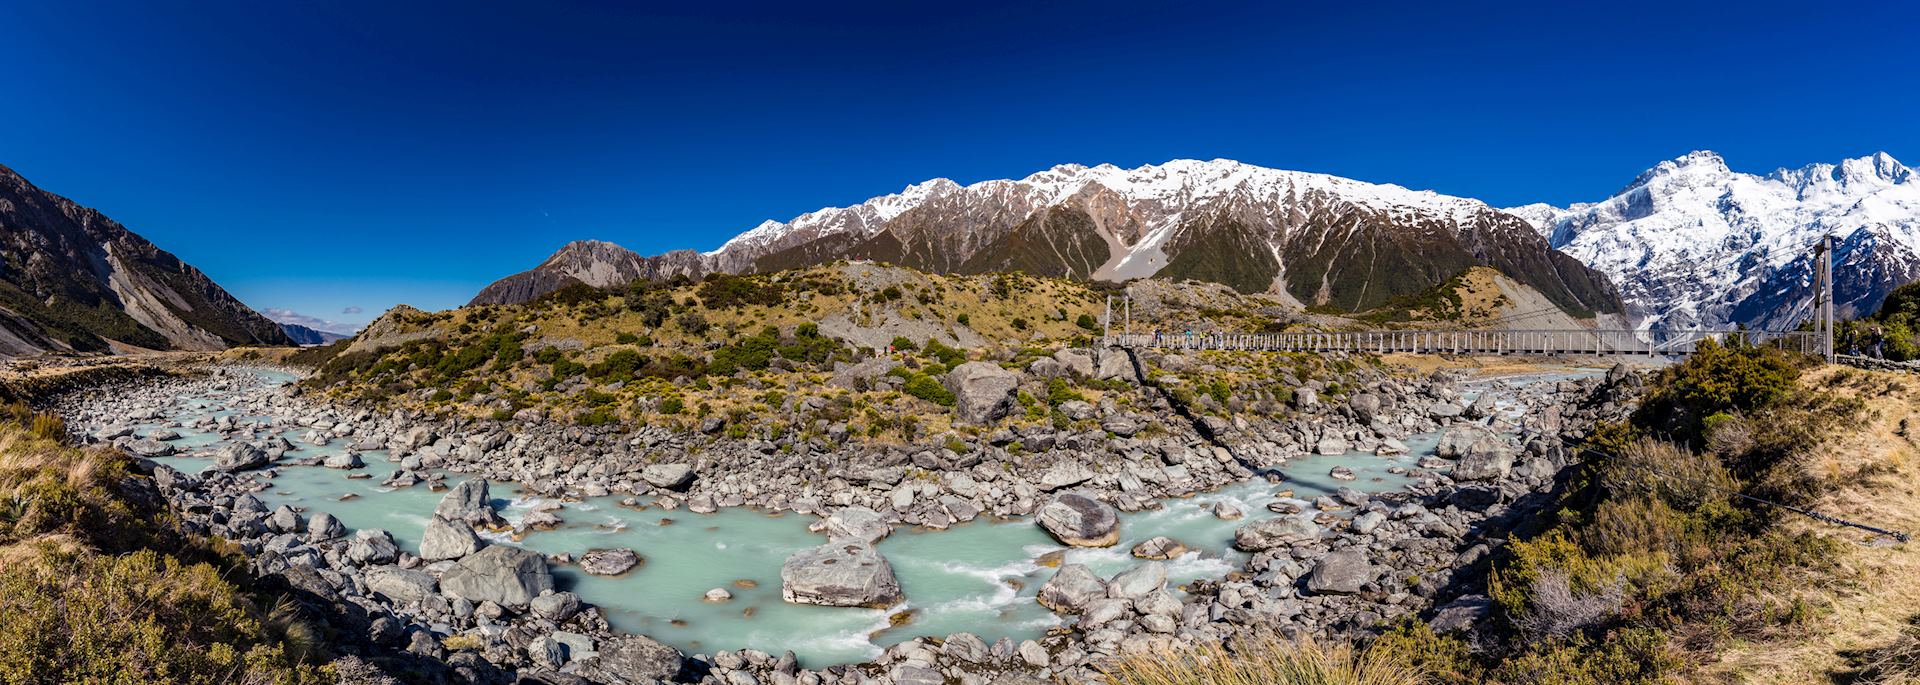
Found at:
(1321, 240)
(73, 279)
(1693, 244)
(593, 262)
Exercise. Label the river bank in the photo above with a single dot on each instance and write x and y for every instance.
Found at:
(1416, 519)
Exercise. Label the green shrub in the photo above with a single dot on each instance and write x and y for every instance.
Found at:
(595, 417)
(1059, 392)
(1086, 321)
(948, 356)
(673, 405)
(925, 387)
(902, 343)
(626, 338)
(728, 291)
(1716, 379)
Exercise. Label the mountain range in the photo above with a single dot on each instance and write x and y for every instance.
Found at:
(1693, 244)
(1321, 241)
(1689, 243)
(72, 279)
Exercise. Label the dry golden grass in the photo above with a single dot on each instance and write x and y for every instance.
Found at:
(1869, 474)
(1265, 660)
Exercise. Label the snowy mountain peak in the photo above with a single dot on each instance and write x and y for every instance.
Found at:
(1693, 244)
(1699, 166)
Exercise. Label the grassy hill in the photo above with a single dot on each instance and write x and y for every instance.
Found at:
(756, 352)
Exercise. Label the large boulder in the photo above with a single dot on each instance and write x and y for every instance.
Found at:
(239, 457)
(373, 546)
(399, 584)
(633, 660)
(1076, 361)
(1070, 589)
(149, 447)
(983, 392)
(840, 574)
(1274, 533)
(1366, 407)
(507, 576)
(1115, 364)
(1457, 439)
(1078, 520)
(1487, 458)
(862, 375)
(1138, 581)
(444, 540)
(668, 476)
(1342, 572)
(469, 502)
(857, 524)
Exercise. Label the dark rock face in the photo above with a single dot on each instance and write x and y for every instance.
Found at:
(73, 279)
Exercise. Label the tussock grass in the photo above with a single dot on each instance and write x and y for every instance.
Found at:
(1266, 660)
(97, 587)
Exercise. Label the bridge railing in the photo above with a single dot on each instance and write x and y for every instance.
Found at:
(1482, 342)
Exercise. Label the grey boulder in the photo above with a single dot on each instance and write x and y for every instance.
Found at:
(445, 540)
(1342, 572)
(668, 476)
(1078, 520)
(469, 502)
(983, 392)
(1273, 533)
(841, 574)
(1071, 589)
(507, 576)
(857, 524)
(239, 457)
(632, 660)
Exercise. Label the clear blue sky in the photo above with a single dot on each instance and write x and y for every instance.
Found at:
(324, 156)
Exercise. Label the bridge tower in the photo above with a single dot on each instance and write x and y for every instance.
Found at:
(1823, 294)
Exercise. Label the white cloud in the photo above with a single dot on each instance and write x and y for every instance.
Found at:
(352, 310)
(313, 322)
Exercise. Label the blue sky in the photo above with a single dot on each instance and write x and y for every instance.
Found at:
(323, 157)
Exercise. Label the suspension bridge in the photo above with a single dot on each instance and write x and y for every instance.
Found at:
(1505, 339)
(1477, 342)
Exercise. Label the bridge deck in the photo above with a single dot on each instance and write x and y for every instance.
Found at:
(1596, 342)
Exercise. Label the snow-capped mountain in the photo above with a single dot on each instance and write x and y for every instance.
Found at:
(1323, 240)
(1693, 244)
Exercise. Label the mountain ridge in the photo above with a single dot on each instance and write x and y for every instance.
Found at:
(1314, 238)
(1693, 244)
(72, 279)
